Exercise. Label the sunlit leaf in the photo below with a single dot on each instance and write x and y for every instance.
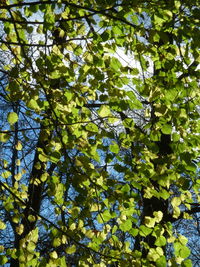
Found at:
(99, 133)
(115, 64)
(18, 145)
(2, 225)
(126, 226)
(104, 111)
(114, 148)
(92, 127)
(12, 118)
(160, 241)
(71, 250)
(166, 129)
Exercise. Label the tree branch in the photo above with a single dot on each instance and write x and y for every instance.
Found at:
(55, 226)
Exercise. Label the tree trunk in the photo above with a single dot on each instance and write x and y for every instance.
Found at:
(35, 190)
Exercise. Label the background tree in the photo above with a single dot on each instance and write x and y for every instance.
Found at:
(99, 162)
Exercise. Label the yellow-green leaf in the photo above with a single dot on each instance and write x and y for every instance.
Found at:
(104, 111)
(166, 129)
(18, 145)
(53, 255)
(4, 137)
(2, 225)
(12, 117)
(126, 225)
(71, 250)
(114, 148)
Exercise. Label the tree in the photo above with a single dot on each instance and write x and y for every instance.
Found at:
(99, 161)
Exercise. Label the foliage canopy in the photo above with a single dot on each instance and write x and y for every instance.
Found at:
(99, 132)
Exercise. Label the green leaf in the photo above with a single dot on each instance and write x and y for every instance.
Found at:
(158, 215)
(149, 221)
(18, 146)
(33, 235)
(134, 232)
(69, 95)
(12, 117)
(56, 242)
(161, 262)
(144, 231)
(136, 185)
(160, 241)
(126, 226)
(134, 71)
(6, 174)
(63, 262)
(184, 252)
(3, 260)
(43, 157)
(106, 215)
(161, 110)
(115, 64)
(114, 148)
(104, 111)
(131, 95)
(32, 104)
(31, 246)
(125, 188)
(183, 240)
(176, 201)
(91, 127)
(158, 20)
(181, 250)
(71, 249)
(134, 103)
(54, 157)
(166, 129)
(128, 123)
(175, 137)
(183, 114)
(4, 137)
(155, 254)
(53, 255)
(105, 36)
(2, 225)
(186, 263)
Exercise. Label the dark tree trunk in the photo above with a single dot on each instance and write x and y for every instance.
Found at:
(35, 190)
